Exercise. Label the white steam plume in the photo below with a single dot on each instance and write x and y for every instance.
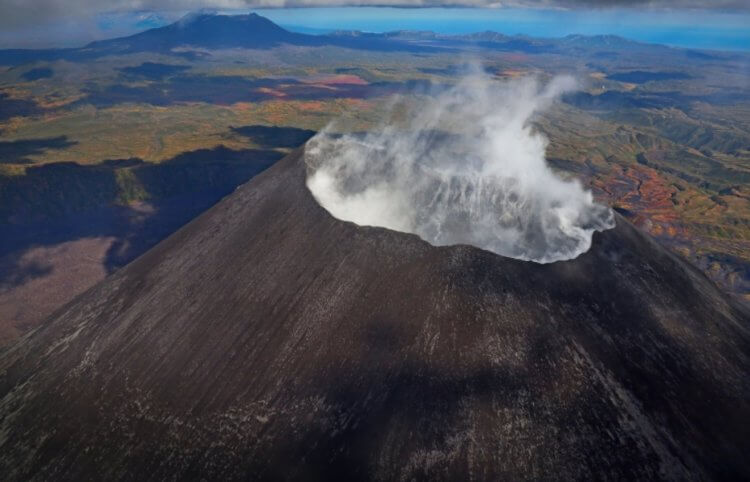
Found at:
(466, 169)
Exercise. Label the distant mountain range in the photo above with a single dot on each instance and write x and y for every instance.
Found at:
(209, 31)
(252, 31)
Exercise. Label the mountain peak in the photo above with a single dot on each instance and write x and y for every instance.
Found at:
(209, 30)
(607, 40)
(268, 340)
(223, 20)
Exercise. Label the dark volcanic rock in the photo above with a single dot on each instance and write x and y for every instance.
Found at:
(267, 340)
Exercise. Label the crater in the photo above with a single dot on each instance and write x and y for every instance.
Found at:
(464, 167)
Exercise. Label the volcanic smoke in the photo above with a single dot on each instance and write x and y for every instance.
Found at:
(466, 168)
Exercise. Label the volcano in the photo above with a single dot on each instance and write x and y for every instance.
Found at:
(209, 31)
(252, 31)
(267, 340)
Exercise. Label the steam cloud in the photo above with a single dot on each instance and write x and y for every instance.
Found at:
(467, 169)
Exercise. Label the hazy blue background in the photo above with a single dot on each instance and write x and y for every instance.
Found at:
(698, 29)
(680, 27)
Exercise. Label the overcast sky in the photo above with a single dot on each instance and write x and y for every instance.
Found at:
(25, 23)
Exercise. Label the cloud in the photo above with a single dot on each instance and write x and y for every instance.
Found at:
(465, 168)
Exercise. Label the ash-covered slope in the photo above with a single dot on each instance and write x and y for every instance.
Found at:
(267, 340)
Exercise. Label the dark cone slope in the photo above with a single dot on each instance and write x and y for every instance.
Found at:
(267, 340)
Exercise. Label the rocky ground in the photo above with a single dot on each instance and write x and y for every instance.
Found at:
(267, 340)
